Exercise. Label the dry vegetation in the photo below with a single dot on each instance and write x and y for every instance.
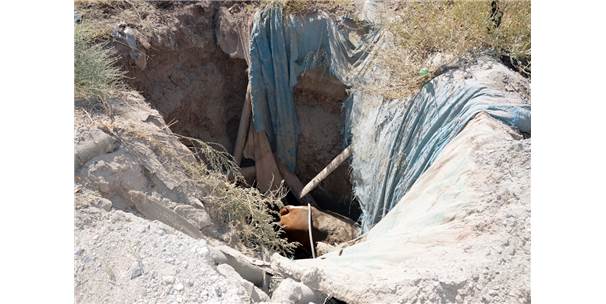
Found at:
(334, 7)
(95, 72)
(245, 209)
(213, 176)
(103, 15)
(456, 29)
(211, 172)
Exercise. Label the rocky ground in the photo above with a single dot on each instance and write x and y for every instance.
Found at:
(141, 233)
(122, 258)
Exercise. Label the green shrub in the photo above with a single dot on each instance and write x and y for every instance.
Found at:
(95, 72)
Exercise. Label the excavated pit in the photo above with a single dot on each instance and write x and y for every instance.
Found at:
(200, 90)
(319, 100)
(196, 87)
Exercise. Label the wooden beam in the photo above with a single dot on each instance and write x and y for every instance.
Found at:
(243, 128)
(268, 174)
(336, 162)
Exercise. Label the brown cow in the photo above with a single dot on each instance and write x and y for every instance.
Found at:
(328, 227)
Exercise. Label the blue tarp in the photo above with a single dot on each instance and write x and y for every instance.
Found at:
(283, 47)
(401, 139)
(398, 141)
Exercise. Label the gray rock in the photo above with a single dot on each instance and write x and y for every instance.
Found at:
(168, 279)
(199, 217)
(292, 292)
(228, 37)
(256, 294)
(154, 207)
(97, 142)
(217, 256)
(136, 270)
(244, 266)
(102, 203)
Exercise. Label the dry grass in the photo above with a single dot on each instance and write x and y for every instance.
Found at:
(95, 72)
(103, 15)
(422, 29)
(214, 178)
(248, 211)
(334, 7)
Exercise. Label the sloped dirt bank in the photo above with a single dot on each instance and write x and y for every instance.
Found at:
(145, 230)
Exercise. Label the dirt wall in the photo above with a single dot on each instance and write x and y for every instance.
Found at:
(319, 98)
(199, 89)
(196, 87)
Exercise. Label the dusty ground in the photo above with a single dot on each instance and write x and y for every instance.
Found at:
(143, 231)
(122, 258)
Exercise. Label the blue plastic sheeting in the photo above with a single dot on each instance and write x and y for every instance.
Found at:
(398, 141)
(393, 142)
(282, 47)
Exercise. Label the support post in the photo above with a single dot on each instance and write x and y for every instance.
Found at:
(268, 175)
(336, 162)
(243, 128)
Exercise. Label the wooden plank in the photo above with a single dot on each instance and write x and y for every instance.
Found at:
(268, 174)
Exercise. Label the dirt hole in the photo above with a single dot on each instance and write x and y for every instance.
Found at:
(200, 90)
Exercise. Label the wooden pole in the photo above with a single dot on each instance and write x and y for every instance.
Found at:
(295, 185)
(336, 162)
(243, 128)
(267, 173)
